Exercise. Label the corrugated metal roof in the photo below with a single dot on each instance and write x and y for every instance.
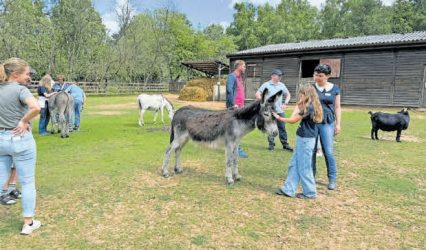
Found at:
(362, 41)
(210, 67)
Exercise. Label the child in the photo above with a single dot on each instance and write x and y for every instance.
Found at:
(309, 112)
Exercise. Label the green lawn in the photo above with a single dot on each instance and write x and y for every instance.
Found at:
(102, 188)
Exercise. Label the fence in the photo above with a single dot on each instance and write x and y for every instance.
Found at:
(95, 88)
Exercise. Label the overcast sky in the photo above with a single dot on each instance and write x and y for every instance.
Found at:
(200, 13)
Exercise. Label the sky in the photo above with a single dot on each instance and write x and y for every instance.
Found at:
(200, 13)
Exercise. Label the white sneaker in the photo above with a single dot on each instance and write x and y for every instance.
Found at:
(27, 229)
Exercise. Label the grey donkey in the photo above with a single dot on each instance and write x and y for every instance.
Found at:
(60, 107)
(226, 126)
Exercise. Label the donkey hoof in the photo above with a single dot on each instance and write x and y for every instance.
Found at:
(67, 136)
(229, 181)
(178, 171)
(166, 174)
(237, 177)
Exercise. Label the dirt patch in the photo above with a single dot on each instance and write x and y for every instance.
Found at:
(206, 105)
(392, 137)
(107, 113)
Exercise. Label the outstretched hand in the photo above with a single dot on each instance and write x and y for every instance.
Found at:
(276, 115)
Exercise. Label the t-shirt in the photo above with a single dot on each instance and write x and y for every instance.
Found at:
(239, 95)
(327, 98)
(76, 92)
(307, 127)
(41, 90)
(272, 90)
(12, 104)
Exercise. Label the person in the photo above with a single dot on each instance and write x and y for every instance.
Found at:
(79, 99)
(235, 96)
(309, 112)
(273, 86)
(61, 85)
(329, 95)
(17, 107)
(43, 91)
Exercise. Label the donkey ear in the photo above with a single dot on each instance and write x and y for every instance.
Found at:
(264, 95)
(274, 97)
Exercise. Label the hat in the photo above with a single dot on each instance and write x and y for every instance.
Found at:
(277, 72)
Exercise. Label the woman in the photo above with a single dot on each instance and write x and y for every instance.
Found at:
(43, 91)
(329, 95)
(309, 112)
(17, 107)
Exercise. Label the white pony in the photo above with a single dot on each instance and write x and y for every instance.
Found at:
(154, 103)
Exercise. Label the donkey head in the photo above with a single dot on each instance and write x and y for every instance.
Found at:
(265, 121)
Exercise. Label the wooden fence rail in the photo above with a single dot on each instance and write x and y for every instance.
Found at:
(95, 88)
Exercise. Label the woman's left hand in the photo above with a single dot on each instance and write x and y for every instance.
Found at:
(21, 129)
(337, 130)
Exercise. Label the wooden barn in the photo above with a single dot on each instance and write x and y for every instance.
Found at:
(380, 70)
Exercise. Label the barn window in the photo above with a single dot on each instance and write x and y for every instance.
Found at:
(253, 70)
(308, 67)
(335, 65)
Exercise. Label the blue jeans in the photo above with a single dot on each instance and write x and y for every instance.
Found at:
(21, 151)
(76, 114)
(326, 133)
(281, 131)
(300, 169)
(44, 120)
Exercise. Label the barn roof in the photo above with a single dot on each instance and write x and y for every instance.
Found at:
(210, 67)
(339, 43)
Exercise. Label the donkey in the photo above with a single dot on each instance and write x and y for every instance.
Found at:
(154, 103)
(60, 107)
(226, 126)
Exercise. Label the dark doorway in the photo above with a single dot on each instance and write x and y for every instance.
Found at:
(308, 67)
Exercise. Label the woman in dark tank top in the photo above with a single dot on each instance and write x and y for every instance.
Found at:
(329, 96)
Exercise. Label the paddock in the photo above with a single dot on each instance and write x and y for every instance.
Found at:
(103, 189)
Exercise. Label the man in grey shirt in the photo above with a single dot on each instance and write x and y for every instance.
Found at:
(274, 86)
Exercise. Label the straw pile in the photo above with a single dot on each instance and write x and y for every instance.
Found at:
(200, 89)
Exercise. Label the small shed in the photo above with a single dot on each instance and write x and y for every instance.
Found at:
(381, 70)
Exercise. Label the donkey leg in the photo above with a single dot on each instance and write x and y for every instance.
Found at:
(229, 161)
(162, 115)
(235, 175)
(141, 114)
(155, 116)
(172, 147)
(62, 124)
(178, 165)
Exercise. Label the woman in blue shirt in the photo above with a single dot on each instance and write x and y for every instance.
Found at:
(309, 112)
(329, 95)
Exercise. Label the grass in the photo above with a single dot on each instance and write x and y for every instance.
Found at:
(101, 188)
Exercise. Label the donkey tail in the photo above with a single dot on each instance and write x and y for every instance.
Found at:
(172, 133)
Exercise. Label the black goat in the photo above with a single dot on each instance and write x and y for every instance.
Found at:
(389, 122)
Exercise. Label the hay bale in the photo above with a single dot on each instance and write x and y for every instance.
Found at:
(207, 84)
(193, 94)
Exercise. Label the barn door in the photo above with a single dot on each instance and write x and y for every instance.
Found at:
(253, 80)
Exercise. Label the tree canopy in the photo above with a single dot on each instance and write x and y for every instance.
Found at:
(68, 36)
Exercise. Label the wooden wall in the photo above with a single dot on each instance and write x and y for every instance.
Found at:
(392, 77)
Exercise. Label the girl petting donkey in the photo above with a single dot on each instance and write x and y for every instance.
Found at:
(309, 112)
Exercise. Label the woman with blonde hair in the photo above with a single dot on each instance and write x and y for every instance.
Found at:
(309, 112)
(44, 91)
(17, 108)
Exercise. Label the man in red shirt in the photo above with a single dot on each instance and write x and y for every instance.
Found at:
(235, 92)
